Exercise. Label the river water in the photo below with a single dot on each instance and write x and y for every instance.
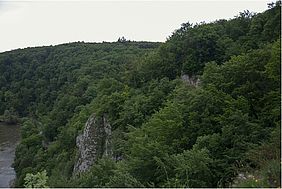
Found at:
(9, 138)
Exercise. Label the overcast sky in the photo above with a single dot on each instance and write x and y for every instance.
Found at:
(37, 23)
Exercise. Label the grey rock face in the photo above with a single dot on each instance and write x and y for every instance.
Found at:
(190, 80)
(93, 143)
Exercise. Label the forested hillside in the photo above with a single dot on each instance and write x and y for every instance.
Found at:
(200, 110)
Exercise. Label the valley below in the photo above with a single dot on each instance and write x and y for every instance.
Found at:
(9, 138)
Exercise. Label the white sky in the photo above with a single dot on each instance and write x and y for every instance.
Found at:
(38, 23)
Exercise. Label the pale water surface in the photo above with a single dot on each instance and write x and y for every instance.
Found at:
(9, 138)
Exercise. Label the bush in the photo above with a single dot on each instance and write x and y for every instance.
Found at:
(38, 180)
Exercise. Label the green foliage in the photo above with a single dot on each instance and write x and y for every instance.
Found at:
(192, 46)
(38, 180)
(165, 132)
(9, 117)
(107, 173)
(188, 169)
(266, 162)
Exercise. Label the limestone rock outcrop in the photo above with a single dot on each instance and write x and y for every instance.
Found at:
(93, 143)
(190, 80)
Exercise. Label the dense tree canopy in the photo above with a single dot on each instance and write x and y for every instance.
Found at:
(166, 131)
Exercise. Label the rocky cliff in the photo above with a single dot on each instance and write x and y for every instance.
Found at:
(190, 80)
(93, 143)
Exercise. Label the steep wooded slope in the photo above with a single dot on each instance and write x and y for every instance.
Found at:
(165, 132)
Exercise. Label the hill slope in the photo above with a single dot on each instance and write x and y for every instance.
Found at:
(166, 131)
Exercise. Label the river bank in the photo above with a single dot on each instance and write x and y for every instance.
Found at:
(9, 138)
